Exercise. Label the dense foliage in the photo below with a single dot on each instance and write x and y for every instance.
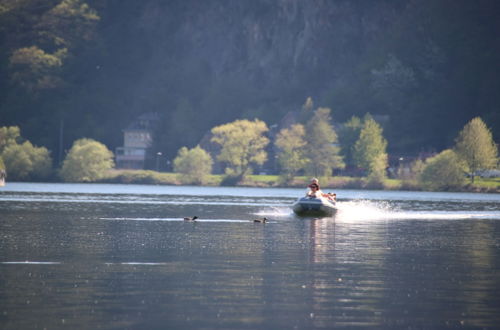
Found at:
(23, 160)
(475, 146)
(27, 162)
(87, 161)
(348, 136)
(291, 152)
(87, 68)
(194, 165)
(443, 171)
(242, 145)
(369, 151)
(321, 147)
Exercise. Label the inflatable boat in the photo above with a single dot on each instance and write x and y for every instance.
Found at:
(314, 207)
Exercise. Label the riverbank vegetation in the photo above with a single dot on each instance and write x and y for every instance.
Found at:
(86, 161)
(242, 148)
(488, 185)
(21, 159)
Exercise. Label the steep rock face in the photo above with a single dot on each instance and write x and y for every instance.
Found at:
(286, 45)
(203, 63)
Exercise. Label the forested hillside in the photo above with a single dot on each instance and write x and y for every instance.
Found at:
(92, 66)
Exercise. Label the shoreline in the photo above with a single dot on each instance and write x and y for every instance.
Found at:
(273, 181)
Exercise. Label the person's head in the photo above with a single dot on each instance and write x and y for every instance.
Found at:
(314, 180)
(314, 186)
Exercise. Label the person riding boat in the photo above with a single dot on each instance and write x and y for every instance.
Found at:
(315, 191)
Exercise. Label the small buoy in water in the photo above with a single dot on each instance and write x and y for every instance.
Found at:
(191, 218)
(263, 220)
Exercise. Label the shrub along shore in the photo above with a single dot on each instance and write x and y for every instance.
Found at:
(486, 185)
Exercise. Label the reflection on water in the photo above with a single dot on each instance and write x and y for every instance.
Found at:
(122, 257)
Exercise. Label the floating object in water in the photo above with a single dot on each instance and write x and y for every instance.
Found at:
(263, 220)
(311, 206)
(191, 218)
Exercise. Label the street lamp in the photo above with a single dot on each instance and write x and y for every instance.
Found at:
(158, 154)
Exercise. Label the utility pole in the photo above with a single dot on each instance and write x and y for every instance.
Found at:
(61, 135)
(158, 155)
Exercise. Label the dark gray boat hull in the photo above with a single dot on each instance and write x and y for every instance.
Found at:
(314, 207)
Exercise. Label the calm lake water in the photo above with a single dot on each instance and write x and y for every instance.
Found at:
(120, 256)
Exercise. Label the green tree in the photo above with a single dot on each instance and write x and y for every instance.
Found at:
(194, 164)
(443, 171)
(291, 155)
(87, 160)
(23, 161)
(242, 143)
(57, 31)
(42, 162)
(476, 147)
(348, 135)
(321, 148)
(27, 162)
(9, 135)
(34, 69)
(17, 162)
(67, 23)
(370, 150)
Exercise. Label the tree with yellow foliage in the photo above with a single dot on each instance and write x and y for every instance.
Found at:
(87, 161)
(194, 165)
(475, 146)
(242, 144)
(291, 154)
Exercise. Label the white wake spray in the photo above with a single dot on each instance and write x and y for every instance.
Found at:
(365, 210)
(278, 212)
